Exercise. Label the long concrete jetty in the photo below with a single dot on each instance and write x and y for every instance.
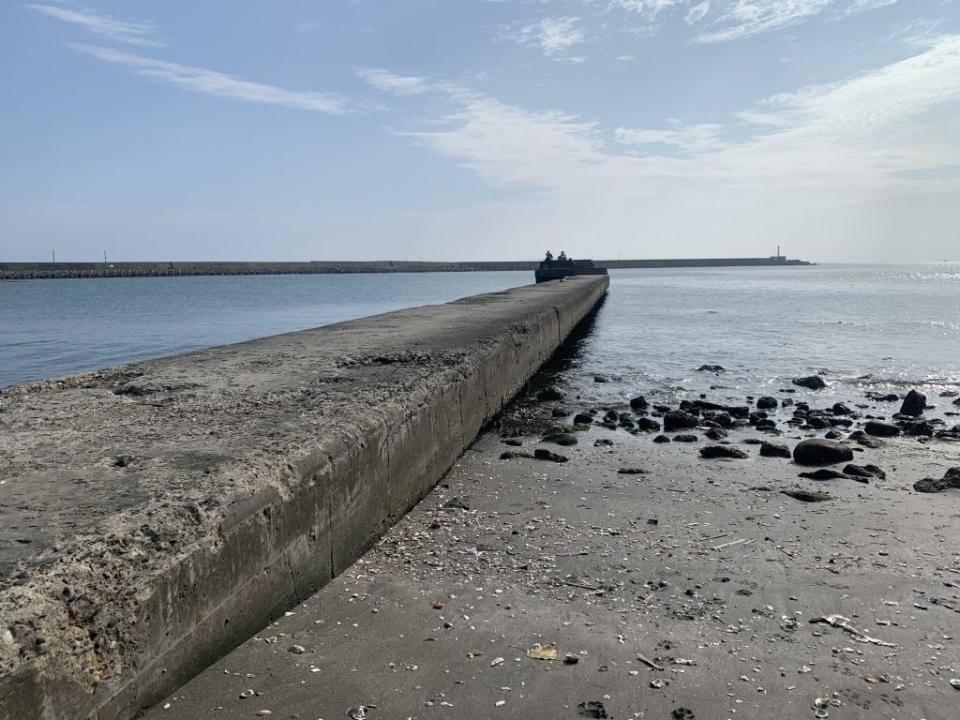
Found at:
(62, 270)
(156, 515)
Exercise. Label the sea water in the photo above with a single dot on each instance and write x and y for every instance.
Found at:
(865, 326)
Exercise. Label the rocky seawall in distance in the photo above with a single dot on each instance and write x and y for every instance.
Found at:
(65, 270)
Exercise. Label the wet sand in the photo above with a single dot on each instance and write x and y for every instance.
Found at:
(689, 590)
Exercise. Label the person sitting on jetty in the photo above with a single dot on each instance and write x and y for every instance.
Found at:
(549, 257)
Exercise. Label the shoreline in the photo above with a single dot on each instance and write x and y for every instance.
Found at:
(661, 584)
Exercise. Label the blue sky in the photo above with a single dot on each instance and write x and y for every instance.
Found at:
(479, 129)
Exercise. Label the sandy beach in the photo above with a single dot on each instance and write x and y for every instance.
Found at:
(635, 580)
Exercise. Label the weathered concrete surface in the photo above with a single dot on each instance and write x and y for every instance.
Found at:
(156, 515)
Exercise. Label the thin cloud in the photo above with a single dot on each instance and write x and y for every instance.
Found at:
(697, 13)
(392, 83)
(143, 34)
(554, 36)
(892, 127)
(212, 82)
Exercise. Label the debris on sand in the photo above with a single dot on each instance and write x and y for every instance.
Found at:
(649, 663)
(807, 496)
(542, 652)
(843, 623)
(732, 543)
(632, 471)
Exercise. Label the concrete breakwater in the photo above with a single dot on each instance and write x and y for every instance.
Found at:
(155, 515)
(64, 270)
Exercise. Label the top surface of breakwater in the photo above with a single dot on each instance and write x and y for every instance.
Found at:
(50, 270)
(157, 514)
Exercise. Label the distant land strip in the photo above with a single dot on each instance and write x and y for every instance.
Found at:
(57, 270)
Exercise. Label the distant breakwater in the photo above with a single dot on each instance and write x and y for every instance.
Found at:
(63, 270)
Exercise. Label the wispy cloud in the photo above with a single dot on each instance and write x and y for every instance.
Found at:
(130, 32)
(648, 8)
(554, 36)
(392, 83)
(689, 138)
(697, 13)
(745, 18)
(884, 128)
(212, 82)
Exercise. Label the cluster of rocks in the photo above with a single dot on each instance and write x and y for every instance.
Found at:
(715, 421)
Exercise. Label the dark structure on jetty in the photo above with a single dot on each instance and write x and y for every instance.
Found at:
(562, 267)
(50, 270)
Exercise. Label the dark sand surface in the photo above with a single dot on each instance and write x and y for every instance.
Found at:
(702, 568)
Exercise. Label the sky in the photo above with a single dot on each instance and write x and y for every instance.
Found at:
(479, 129)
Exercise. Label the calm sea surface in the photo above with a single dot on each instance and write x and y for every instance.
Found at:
(899, 324)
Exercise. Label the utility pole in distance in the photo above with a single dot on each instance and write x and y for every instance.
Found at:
(53, 254)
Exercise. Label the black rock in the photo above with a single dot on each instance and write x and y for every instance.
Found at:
(950, 480)
(639, 403)
(560, 439)
(716, 434)
(549, 394)
(511, 454)
(632, 471)
(541, 454)
(881, 429)
(582, 419)
(711, 368)
(832, 435)
(957, 401)
(601, 379)
(456, 503)
(813, 382)
(821, 452)
(559, 412)
(841, 409)
(920, 429)
(753, 441)
(861, 438)
(603, 443)
(661, 439)
(722, 451)
(774, 450)
(646, 424)
(807, 496)
(767, 403)
(823, 474)
(819, 423)
(865, 471)
(741, 412)
(914, 404)
(678, 420)
(685, 438)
